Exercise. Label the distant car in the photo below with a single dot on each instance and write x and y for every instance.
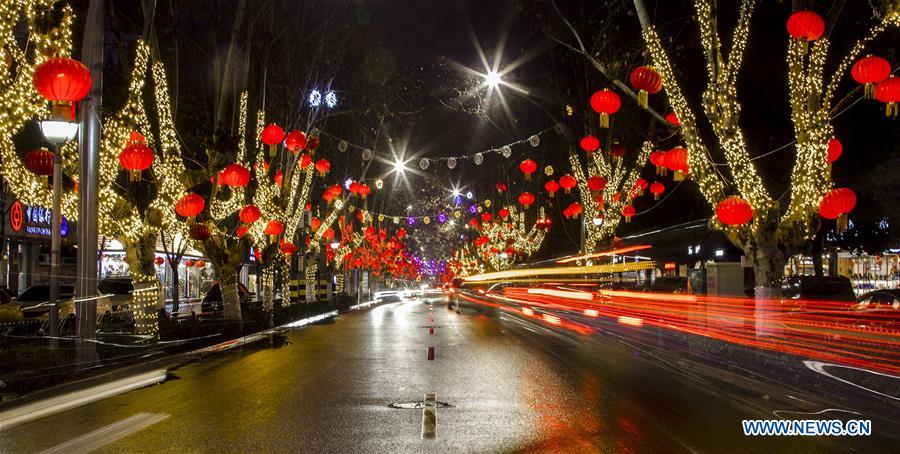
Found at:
(212, 301)
(886, 300)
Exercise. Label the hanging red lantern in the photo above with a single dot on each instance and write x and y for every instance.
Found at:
(287, 248)
(640, 186)
(617, 150)
(805, 26)
(234, 175)
(869, 71)
(364, 190)
(590, 144)
(551, 186)
(473, 222)
(250, 214)
(575, 210)
(136, 156)
(190, 206)
(295, 141)
(673, 119)
(500, 186)
(734, 211)
(836, 204)
(200, 263)
(188, 263)
(486, 217)
(676, 160)
(835, 148)
(647, 82)
(273, 229)
(658, 159)
(503, 213)
(279, 177)
(312, 143)
(354, 188)
(328, 234)
(526, 199)
(62, 81)
(272, 135)
(158, 261)
(657, 188)
(314, 224)
(323, 166)
(40, 162)
(305, 161)
(528, 167)
(888, 92)
(628, 212)
(242, 230)
(605, 102)
(567, 182)
(199, 232)
(596, 183)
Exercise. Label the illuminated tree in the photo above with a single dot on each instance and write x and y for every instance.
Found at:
(507, 238)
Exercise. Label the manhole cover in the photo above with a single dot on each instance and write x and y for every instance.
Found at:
(417, 404)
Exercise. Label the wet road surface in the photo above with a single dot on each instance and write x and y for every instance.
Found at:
(513, 387)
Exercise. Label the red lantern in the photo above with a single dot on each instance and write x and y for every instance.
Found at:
(567, 182)
(526, 199)
(657, 188)
(596, 183)
(328, 234)
(551, 186)
(200, 263)
(657, 158)
(354, 188)
(673, 119)
(589, 144)
(234, 175)
(734, 211)
(805, 26)
(158, 261)
(869, 71)
(272, 135)
(323, 166)
(273, 229)
(250, 214)
(500, 186)
(295, 141)
(503, 213)
(364, 190)
(605, 102)
(242, 230)
(279, 177)
(136, 157)
(575, 209)
(305, 161)
(188, 263)
(40, 162)
(528, 167)
(888, 92)
(676, 160)
(486, 217)
(190, 206)
(640, 186)
(314, 224)
(646, 81)
(835, 148)
(628, 212)
(62, 81)
(199, 232)
(312, 144)
(287, 247)
(617, 150)
(836, 204)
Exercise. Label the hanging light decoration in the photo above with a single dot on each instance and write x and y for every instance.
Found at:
(272, 135)
(835, 148)
(617, 150)
(273, 229)
(423, 163)
(590, 144)
(190, 206)
(528, 167)
(628, 212)
(500, 186)
(158, 260)
(869, 71)
(295, 141)
(323, 166)
(506, 151)
(551, 186)
(40, 163)
(241, 231)
(503, 213)
(676, 160)
(287, 248)
(836, 204)
(734, 211)
(279, 178)
(364, 190)
(605, 102)
(657, 158)
(199, 232)
(640, 186)
(312, 144)
(805, 26)
(596, 183)
(451, 163)
(63, 82)
(136, 156)
(250, 214)
(328, 234)
(534, 140)
(888, 92)
(526, 199)
(234, 175)
(647, 82)
(567, 182)
(673, 119)
(574, 210)
(657, 188)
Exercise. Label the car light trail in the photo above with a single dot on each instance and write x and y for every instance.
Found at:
(630, 321)
(619, 251)
(562, 293)
(556, 271)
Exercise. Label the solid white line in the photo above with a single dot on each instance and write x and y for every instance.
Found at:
(46, 407)
(106, 435)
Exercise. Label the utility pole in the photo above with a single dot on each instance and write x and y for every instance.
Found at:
(89, 163)
(55, 226)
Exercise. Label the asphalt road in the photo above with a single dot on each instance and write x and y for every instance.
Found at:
(514, 386)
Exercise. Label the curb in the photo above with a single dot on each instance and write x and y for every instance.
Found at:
(119, 381)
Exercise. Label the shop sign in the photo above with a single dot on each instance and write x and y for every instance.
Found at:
(34, 219)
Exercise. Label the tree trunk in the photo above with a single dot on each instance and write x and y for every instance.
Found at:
(231, 300)
(176, 288)
(768, 268)
(145, 299)
(269, 288)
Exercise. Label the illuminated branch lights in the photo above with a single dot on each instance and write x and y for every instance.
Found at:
(145, 299)
(698, 159)
(514, 234)
(311, 274)
(242, 126)
(168, 165)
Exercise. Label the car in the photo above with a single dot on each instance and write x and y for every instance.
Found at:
(212, 300)
(35, 301)
(885, 300)
(116, 290)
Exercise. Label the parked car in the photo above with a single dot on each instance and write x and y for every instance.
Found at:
(887, 301)
(116, 290)
(212, 301)
(35, 301)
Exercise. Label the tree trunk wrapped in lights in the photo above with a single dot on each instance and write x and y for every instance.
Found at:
(774, 232)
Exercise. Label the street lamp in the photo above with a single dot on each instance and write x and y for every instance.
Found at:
(57, 132)
(492, 79)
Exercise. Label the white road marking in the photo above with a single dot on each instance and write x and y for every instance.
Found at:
(106, 435)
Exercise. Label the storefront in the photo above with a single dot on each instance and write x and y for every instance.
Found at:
(26, 254)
